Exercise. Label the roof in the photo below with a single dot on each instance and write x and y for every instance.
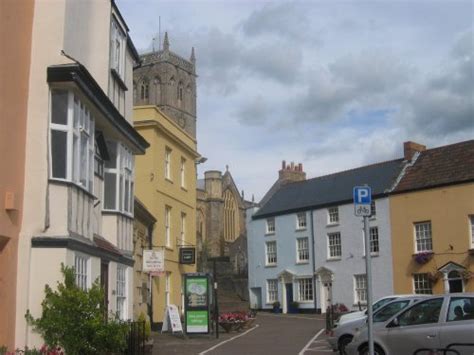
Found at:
(447, 165)
(331, 189)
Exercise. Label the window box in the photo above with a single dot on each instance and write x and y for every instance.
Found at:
(423, 257)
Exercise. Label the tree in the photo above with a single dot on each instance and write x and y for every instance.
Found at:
(77, 320)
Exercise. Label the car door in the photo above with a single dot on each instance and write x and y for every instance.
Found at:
(415, 328)
(457, 327)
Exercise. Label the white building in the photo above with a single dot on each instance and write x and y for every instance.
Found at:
(79, 175)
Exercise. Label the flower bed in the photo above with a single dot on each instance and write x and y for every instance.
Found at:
(236, 320)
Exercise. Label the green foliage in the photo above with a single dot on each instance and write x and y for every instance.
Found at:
(143, 318)
(76, 319)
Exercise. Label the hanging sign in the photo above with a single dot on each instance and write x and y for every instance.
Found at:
(172, 320)
(154, 261)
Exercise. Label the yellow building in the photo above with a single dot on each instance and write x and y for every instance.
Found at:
(432, 220)
(166, 185)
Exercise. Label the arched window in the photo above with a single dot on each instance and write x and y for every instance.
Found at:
(144, 91)
(179, 93)
(455, 282)
(231, 217)
(157, 90)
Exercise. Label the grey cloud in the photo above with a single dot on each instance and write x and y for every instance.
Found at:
(254, 113)
(289, 20)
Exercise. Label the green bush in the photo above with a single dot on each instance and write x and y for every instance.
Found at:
(77, 321)
(143, 318)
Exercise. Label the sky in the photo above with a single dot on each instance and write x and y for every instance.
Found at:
(330, 84)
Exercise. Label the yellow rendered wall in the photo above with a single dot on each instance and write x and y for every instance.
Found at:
(448, 209)
(156, 192)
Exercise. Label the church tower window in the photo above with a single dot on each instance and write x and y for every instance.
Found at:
(231, 225)
(144, 91)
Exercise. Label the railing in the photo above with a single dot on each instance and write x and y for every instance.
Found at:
(136, 338)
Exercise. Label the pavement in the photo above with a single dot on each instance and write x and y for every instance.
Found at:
(271, 334)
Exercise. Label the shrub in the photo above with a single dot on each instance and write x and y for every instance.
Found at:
(76, 319)
(143, 318)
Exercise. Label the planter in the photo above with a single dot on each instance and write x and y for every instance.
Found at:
(227, 326)
(423, 257)
(248, 323)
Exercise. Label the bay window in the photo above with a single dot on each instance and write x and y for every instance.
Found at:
(72, 140)
(118, 179)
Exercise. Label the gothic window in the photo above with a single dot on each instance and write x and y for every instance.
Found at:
(157, 90)
(188, 102)
(231, 217)
(180, 93)
(144, 91)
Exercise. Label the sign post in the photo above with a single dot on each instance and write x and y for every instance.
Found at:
(362, 203)
(196, 303)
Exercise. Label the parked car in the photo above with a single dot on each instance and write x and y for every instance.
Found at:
(342, 334)
(376, 305)
(438, 322)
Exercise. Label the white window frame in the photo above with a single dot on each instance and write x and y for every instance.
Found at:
(118, 46)
(168, 152)
(423, 237)
(360, 289)
(121, 292)
(422, 284)
(183, 229)
(183, 172)
(123, 173)
(334, 248)
(270, 225)
(82, 271)
(301, 221)
(271, 256)
(333, 215)
(272, 290)
(471, 223)
(167, 288)
(374, 241)
(80, 139)
(305, 289)
(168, 226)
(302, 250)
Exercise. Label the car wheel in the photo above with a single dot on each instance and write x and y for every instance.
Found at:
(377, 350)
(342, 343)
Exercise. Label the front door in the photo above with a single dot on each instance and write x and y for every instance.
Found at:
(289, 298)
(104, 282)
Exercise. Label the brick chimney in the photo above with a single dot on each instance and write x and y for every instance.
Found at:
(291, 173)
(410, 148)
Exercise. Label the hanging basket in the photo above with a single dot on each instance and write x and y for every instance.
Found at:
(423, 257)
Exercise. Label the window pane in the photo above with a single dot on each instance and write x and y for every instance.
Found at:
(59, 153)
(59, 107)
(112, 150)
(110, 187)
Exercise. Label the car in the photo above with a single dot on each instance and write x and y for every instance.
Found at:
(342, 334)
(437, 322)
(361, 314)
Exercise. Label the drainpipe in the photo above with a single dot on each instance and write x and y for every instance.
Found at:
(313, 261)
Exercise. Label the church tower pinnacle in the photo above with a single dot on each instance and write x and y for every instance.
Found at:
(166, 43)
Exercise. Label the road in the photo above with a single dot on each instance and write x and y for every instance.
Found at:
(272, 335)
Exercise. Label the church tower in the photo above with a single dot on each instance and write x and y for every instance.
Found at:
(168, 81)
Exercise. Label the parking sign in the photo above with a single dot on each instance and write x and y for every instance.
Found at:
(362, 200)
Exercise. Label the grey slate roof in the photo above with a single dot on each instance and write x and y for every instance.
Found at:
(331, 189)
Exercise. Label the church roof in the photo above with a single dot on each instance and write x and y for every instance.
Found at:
(331, 189)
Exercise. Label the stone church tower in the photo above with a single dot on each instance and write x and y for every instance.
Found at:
(168, 81)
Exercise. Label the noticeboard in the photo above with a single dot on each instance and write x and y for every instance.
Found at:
(153, 261)
(196, 303)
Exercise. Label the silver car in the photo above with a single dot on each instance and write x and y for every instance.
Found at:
(343, 333)
(439, 322)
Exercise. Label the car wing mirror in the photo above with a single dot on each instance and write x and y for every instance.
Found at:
(394, 323)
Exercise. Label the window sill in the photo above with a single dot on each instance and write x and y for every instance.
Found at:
(270, 265)
(334, 224)
(372, 255)
(119, 80)
(334, 259)
(112, 212)
(269, 233)
(306, 302)
(72, 184)
(300, 229)
(305, 262)
(169, 248)
(169, 180)
(184, 189)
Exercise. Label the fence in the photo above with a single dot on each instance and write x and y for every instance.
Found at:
(136, 338)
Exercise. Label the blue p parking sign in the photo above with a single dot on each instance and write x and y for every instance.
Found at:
(362, 200)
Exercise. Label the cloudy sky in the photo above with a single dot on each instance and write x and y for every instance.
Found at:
(330, 84)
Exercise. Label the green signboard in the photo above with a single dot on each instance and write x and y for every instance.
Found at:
(196, 305)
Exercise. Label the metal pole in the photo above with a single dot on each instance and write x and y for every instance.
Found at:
(216, 306)
(368, 267)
